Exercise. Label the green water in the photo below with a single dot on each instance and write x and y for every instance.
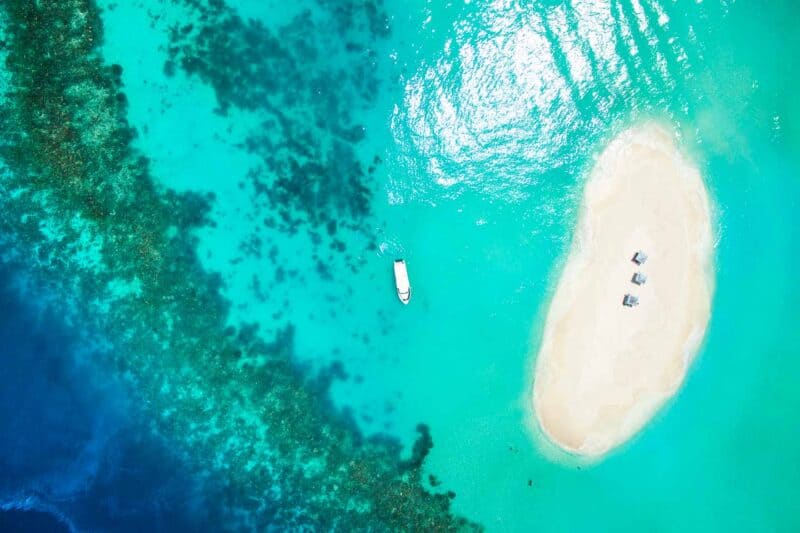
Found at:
(722, 455)
(487, 122)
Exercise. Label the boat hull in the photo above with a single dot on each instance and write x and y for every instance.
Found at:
(401, 281)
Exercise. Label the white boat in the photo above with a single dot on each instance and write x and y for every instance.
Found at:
(401, 281)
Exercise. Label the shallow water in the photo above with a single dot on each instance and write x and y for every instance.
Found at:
(336, 136)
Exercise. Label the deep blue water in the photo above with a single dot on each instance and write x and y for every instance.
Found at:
(16, 521)
(75, 452)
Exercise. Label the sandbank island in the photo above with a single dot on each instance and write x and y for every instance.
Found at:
(604, 369)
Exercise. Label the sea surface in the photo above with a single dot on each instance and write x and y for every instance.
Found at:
(201, 203)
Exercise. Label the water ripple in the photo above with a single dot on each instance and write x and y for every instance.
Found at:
(522, 89)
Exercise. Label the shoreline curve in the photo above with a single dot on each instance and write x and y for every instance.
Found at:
(603, 369)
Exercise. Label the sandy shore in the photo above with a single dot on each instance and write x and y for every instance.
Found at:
(603, 369)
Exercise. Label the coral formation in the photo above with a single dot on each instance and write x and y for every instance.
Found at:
(117, 252)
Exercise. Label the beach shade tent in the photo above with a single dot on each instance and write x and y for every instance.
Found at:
(639, 278)
(630, 301)
(639, 257)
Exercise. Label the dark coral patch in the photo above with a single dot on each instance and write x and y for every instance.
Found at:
(304, 82)
(121, 253)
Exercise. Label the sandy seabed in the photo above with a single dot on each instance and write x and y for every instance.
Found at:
(603, 369)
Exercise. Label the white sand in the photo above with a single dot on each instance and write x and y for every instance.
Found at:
(603, 370)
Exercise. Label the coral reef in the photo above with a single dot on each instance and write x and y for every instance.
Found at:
(82, 212)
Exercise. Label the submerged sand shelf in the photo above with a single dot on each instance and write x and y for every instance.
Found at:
(603, 370)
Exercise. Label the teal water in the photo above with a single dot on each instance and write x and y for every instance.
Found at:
(336, 136)
(552, 84)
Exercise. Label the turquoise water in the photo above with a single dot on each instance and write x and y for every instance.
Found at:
(336, 136)
(721, 455)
